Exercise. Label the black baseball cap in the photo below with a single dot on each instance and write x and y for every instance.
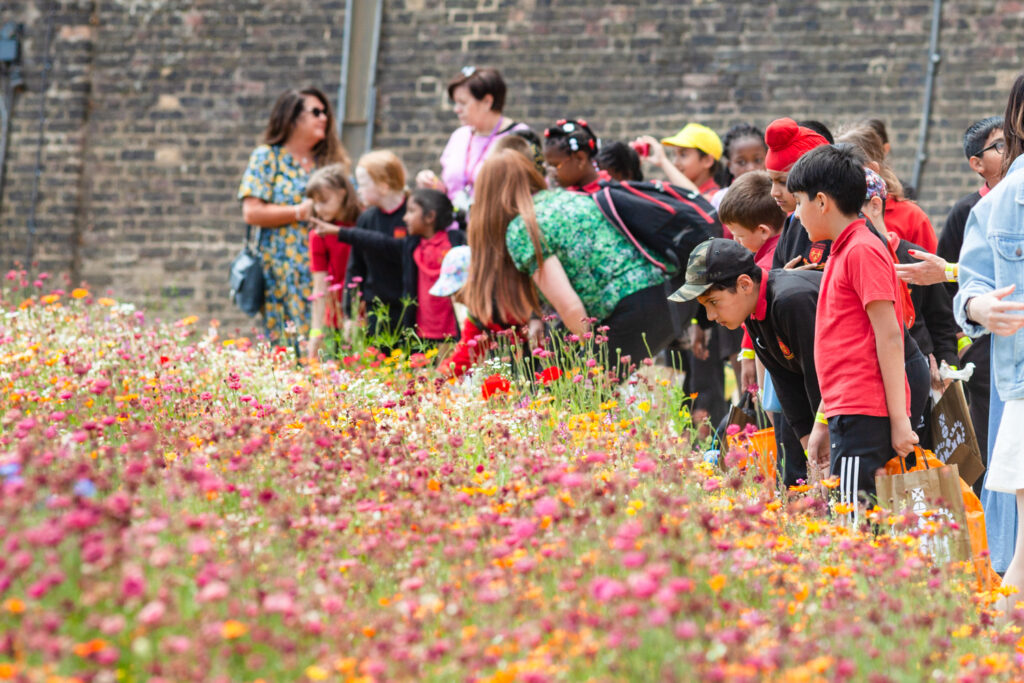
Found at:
(714, 261)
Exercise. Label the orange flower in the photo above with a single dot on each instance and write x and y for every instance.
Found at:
(105, 301)
(346, 665)
(434, 485)
(232, 629)
(7, 671)
(14, 605)
(79, 293)
(89, 648)
(369, 631)
(717, 582)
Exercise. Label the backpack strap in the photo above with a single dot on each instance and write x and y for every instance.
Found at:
(668, 189)
(613, 217)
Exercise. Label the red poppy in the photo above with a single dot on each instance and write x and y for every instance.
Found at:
(548, 375)
(495, 384)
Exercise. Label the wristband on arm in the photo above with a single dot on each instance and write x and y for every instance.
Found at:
(952, 272)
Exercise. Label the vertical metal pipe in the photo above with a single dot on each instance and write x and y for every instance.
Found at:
(346, 48)
(371, 100)
(933, 62)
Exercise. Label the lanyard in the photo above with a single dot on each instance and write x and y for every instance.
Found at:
(467, 173)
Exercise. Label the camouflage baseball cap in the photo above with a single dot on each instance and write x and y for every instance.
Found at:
(711, 262)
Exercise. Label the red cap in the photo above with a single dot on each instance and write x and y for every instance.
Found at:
(787, 142)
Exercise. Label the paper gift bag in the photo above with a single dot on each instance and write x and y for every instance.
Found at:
(934, 490)
(953, 434)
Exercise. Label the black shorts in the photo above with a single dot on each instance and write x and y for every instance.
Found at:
(861, 444)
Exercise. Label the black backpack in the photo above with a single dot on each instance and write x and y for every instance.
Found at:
(664, 222)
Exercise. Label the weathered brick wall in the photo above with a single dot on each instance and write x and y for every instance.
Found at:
(152, 107)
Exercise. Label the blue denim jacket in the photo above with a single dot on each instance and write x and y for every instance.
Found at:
(992, 257)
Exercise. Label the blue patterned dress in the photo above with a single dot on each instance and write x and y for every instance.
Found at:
(289, 283)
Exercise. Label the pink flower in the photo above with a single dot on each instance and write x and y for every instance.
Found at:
(152, 613)
(213, 591)
(281, 603)
(133, 585)
(633, 559)
(605, 589)
(642, 586)
(546, 507)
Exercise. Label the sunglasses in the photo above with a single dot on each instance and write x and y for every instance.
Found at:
(317, 112)
(999, 146)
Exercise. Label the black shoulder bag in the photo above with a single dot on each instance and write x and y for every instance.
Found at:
(246, 275)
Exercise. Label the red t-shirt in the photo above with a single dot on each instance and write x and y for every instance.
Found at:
(910, 222)
(328, 255)
(859, 271)
(435, 315)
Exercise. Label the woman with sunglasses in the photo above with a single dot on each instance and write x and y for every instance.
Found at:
(478, 98)
(300, 137)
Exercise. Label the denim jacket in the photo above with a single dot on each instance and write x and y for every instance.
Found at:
(992, 257)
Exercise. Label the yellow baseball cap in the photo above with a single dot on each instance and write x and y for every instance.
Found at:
(699, 137)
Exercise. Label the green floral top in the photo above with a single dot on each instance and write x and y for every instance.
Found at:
(601, 265)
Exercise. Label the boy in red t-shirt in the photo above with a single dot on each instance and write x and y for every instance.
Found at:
(859, 335)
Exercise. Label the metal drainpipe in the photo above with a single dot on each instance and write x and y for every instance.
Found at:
(343, 83)
(371, 101)
(346, 46)
(929, 87)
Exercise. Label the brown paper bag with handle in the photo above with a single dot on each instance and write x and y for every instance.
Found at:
(934, 490)
(953, 434)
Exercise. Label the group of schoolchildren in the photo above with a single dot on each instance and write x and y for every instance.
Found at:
(803, 283)
(852, 352)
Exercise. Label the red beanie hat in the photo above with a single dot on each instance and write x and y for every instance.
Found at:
(787, 142)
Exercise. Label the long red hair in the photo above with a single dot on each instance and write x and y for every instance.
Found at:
(495, 290)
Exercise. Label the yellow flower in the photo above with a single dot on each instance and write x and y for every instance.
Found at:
(105, 301)
(717, 582)
(232, 629)
(79, 293)
(316, 673)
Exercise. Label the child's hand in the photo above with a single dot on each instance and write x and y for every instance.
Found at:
(655, 152)
(748, 374)
(323, 227)
(819, 454)
(698, 343)
(903, 437)
(427, 179)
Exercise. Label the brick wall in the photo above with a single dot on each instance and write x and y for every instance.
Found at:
(152, 106)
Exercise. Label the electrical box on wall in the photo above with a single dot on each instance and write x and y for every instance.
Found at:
(10, 42)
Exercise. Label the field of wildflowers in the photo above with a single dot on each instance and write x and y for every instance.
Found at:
(179, 504)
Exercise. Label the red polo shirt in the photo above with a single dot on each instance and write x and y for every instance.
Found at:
(859, 271)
